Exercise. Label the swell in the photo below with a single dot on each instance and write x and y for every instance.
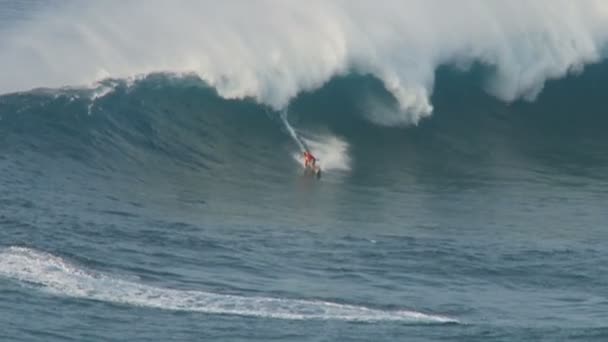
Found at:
(154, 121)
(59, 277)
(166, 119)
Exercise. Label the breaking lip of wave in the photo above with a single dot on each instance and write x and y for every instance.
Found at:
(60, 277)
(273, 52)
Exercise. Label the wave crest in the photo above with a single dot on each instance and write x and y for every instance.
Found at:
(274, 51)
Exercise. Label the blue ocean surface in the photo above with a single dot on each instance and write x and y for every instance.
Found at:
(159, 208)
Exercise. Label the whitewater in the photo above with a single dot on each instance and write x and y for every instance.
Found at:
(152, 184)
(272, 51)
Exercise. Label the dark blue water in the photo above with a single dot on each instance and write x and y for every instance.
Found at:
(155, 210)
(162, 212)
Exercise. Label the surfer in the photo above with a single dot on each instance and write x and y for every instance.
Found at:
(309, 160)
(310, 165)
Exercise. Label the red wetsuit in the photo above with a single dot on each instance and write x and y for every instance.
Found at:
(309, 159)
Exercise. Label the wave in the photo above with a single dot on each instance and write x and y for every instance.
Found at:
(273, 52)
(57, 276)
(351, 123)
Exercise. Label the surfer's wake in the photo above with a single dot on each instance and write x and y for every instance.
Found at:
(331, 152)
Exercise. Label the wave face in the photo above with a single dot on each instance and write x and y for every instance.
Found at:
(178, 123)
(152, 177)
(272, 52)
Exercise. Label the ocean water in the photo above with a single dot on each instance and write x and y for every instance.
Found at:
(164, 204)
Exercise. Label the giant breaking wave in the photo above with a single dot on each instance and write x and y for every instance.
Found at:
(272, 51)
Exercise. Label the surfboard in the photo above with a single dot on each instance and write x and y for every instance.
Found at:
(314, 172)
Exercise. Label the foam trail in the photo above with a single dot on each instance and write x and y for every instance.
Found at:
(59, 277)
(331, 152)
(292, 132)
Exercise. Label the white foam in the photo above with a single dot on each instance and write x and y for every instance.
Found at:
(331, 152)
(292, 131)
(55, 275)
(100, 90)
(273, 50)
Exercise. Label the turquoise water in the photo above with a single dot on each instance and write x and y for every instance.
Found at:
(155, 210)
(166, 225)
